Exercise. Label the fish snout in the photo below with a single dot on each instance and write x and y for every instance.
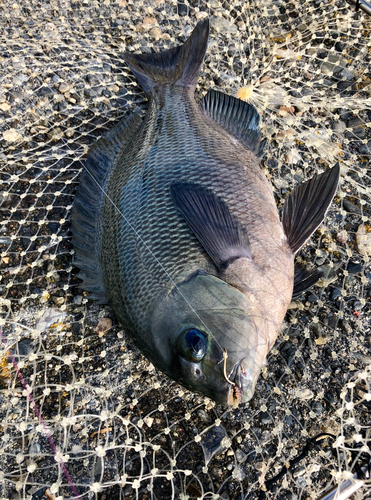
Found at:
(244, 379)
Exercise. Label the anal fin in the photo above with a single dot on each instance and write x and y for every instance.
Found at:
(304, 279)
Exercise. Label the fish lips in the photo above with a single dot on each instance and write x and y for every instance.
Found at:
(243, 380)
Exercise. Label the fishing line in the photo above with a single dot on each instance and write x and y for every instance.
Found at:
(153, 255)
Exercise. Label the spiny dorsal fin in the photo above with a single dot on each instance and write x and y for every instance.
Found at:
(237, 117)
(306, 207)
(180, 65)
(87, 206)
(218, 231)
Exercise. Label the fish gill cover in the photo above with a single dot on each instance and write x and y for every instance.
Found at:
(82, 412)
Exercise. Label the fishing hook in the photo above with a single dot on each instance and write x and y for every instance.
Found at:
(225, 356)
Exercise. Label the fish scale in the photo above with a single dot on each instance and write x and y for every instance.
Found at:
(183, 237)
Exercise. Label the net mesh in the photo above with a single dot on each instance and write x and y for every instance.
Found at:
(82, 412)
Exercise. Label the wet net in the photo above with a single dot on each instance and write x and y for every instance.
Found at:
(82, 412)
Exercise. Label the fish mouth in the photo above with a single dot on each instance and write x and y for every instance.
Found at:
(242, 385)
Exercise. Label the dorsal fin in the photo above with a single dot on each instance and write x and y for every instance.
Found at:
(237, 117)
(87, 207)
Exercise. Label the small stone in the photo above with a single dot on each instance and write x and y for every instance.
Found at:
(351, 207)
(56, 134)
(64, 87)
(238, 473)
(4, 106)
(204, 416)
(357, 305)
(265, 418)
(58, 301)
(346, 73)
(359, 132)
(149, 21)
(155, 32)
(339, 127)
(317, 407)
(335, 294)
(35, 449)
(223, 26)
(365, 149)
(11, 135)
(354, 123)
(103, 326)
(288, 420)
(240, 456)
(113, 88)
(354, 268)
(77, 300)
(342, 236)
(363, 240)
(305, 394)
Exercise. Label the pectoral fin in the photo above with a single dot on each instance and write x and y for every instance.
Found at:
(304, 279)
(306, 208)
(209, 217)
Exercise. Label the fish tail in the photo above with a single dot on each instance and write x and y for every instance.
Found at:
(177, 66)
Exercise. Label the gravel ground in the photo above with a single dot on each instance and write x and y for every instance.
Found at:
(123, 429)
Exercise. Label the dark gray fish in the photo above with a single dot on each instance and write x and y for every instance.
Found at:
(176, 227)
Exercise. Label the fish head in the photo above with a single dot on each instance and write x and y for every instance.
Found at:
(211, 338)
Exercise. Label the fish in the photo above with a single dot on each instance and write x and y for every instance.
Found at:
(176, 227)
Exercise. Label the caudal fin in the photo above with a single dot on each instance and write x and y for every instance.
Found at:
(178, 66)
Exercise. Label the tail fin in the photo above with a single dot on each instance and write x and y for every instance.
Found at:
(180, 66)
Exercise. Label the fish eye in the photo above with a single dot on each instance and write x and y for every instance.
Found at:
(193, 344)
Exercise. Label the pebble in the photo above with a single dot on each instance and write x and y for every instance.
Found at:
(58, 301)
(155, 32)
(223, 26)
(347, 73)
(339, 127)
(64, 87)
(103, 326)
(359, 132)
(342, 236)
(56, 134)
(357, 305)
(238, 473)
(365, 149)
(11, 135)
(4, 106)
(363, 240)
(23, 348)
(288, 420)
(354, 268)
(240, 456)
(77, 300)
(305, 394)
(94, 92)
(204, 416)
(335, 294)
(351, 207)
(113, 88)
(312, 298)
(354, 122)
(317, 407)
(265, 418)
(50, 317)
(35, 449)
(149, 21)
